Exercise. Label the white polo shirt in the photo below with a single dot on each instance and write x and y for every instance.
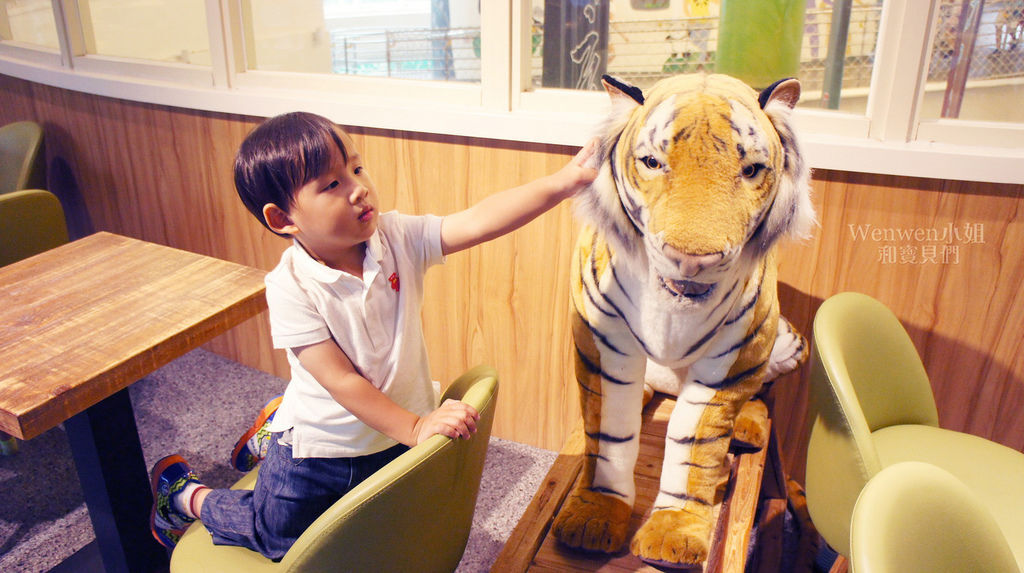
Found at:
(375, 321)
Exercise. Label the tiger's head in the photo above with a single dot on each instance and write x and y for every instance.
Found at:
(700, 176)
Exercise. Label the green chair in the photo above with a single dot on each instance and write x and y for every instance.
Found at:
(412, 515)
(22, 159)
(31, 221)
(871, 406)
(914, 517)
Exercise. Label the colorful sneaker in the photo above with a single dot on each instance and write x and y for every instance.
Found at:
(168, 478)
(252, 446)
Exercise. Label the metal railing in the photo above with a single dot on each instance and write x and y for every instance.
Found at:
(999, 46)
(428, 54)
(643, 52)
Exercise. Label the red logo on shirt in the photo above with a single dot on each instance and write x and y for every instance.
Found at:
(393, 279)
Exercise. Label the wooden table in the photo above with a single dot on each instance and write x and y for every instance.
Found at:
(756, 478)
(78, 325)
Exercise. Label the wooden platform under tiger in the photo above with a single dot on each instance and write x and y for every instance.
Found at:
(757, 490)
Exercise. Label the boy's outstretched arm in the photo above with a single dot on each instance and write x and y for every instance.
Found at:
(327, 362)
(510, 209)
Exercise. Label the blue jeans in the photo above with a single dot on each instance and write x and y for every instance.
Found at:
(290, 493)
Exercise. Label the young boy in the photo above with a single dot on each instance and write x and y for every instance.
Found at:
(345, 303)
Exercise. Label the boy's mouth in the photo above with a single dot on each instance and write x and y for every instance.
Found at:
(366, 215)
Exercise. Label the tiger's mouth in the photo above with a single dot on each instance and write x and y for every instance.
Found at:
(687, 289)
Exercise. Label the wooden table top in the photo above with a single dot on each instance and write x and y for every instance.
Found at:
(87, 319)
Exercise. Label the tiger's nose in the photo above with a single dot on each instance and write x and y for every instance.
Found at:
(691, 265)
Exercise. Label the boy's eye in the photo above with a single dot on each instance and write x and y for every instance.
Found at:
(358, 170)
(331, 185)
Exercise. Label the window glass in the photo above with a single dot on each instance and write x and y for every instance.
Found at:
(160, 30)
(977, 62)
(407, 39)
(828, 44)
(30, 22)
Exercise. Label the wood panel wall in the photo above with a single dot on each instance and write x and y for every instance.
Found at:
(164, 175)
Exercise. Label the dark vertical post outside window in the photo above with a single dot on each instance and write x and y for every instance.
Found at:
(575, 43)
(836, 60)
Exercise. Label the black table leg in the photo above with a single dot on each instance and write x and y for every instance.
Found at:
(115, 481)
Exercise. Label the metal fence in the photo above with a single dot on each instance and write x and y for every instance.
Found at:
(999, 46)
(643, 52)
(427, 54)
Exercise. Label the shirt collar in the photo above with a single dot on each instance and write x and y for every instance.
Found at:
(375, 247)
(325, 274)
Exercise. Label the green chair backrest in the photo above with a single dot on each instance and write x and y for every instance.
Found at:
(22, 158)
(416, 513)
(914, 517)
(31, 221)
(413, 515)
(865, 375)
(866, 351)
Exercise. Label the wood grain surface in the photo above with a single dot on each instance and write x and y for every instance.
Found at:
(164, 175)
(87, 319)
(532, 547)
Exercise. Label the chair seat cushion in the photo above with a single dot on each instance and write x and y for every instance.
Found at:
(993, 472)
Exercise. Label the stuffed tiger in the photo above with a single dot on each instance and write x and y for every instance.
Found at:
(674, 285)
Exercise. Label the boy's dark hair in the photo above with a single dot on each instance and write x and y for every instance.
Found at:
(281, 155)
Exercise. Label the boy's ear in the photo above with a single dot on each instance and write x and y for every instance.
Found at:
(278, 220)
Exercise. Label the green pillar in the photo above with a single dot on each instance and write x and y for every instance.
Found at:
(759, 40)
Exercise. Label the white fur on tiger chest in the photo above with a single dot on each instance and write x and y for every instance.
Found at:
(671, 336)
(643, 337)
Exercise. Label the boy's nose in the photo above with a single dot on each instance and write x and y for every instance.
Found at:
(359, 193)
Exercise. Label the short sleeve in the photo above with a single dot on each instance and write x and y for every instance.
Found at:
(420, 236)
(294, 320)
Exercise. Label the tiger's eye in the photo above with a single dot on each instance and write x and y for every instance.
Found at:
(750, 171)
(650, 162)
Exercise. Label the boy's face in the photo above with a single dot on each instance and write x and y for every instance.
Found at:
(338, 210)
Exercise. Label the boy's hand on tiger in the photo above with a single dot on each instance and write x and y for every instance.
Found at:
(581, 170)
(587, 155)
(453, 419)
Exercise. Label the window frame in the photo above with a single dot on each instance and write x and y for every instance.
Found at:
(34, 53)
(889, 138)
(75, 35)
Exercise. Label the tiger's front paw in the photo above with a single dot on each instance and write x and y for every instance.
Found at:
(592, 521)
(672, 538)
(750, 432)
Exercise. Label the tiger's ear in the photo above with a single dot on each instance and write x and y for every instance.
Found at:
(792, 213)
(622, 94)
(786, 91)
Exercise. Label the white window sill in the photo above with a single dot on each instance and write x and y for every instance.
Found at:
(573, 128)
